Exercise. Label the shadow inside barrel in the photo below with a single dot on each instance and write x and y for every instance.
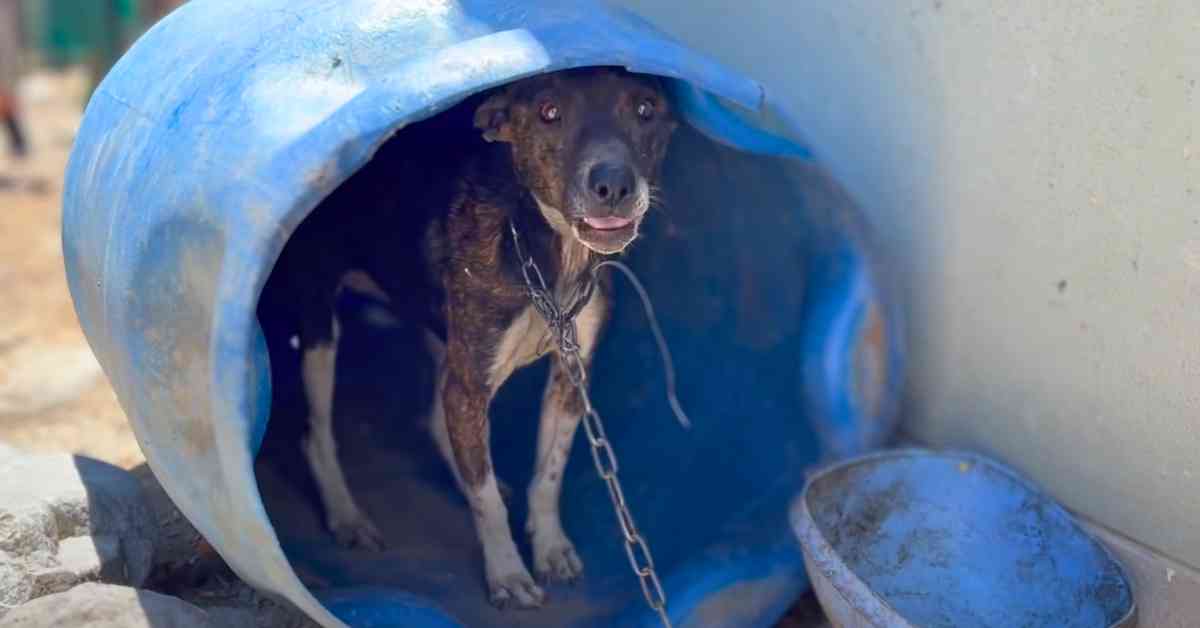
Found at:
(724, 262)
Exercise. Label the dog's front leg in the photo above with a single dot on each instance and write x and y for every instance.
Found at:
(554, 556)
(350, 526)
(466, 394)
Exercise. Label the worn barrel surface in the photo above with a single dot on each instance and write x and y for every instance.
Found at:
(228, 122)
(909, 538)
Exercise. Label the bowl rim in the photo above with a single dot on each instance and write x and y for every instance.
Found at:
(843, 579)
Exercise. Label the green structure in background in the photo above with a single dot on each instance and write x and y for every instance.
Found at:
(91, 32)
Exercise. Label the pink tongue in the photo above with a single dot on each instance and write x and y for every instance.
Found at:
(609, 222)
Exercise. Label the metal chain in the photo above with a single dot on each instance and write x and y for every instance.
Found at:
(562, 327)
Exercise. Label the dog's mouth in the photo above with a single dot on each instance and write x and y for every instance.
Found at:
(606, 235)
(607, 223)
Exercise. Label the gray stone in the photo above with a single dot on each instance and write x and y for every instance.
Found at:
(108, 606)
(81, 559)
(16, 583)
(70, 519)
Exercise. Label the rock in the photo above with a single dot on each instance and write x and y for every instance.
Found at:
(108, 606)
(16, 583)
(82, 559)
(70, 519)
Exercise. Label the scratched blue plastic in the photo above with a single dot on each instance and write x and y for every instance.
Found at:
(912, 538)
(230, 120)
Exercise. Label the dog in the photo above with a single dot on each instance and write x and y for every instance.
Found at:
(570, 161)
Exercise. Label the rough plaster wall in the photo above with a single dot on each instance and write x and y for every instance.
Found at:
(1033, 169)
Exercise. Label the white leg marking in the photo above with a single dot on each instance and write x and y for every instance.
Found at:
(554, 556)
(508, 580)
(345, 519)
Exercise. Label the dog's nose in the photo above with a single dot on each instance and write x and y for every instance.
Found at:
(611, 183)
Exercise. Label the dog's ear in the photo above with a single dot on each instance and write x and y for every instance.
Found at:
(492, 118)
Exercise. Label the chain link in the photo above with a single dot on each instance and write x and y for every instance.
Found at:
(562, 328)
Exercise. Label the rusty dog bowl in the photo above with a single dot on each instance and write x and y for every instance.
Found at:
(228, 122)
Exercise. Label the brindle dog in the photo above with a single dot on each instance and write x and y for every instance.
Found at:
(572, 159)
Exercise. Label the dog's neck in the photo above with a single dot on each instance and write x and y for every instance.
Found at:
(548, 238)
(550, 241)
(574, 258)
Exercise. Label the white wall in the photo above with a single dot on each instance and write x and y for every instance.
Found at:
(1033, 170)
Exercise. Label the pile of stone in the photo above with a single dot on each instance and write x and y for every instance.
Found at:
(80, 545)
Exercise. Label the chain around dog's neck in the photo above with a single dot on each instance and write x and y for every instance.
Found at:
(534, 279)
(562, 328)
(558, 319)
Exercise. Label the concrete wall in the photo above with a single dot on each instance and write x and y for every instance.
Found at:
(1033, 169)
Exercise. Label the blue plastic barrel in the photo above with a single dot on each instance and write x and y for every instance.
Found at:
(228, 122)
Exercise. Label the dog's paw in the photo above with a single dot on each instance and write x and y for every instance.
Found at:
(557, 563)
(554, 556)
(516, 590)
(357, 533)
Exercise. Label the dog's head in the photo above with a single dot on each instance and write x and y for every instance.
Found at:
(588, 144)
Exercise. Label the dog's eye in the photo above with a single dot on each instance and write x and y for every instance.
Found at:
(549, 112)
(645, 110)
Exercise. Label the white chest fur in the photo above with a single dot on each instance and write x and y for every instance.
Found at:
(525, 340)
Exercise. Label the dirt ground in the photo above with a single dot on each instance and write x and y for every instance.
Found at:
(53, 395)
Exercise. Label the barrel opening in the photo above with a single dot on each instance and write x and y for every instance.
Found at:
(725, 262)
(755, 266)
